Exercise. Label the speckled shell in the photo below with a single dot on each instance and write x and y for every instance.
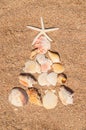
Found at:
(34, 96)
(58, 68)
(50, 100)
(18, 97)
(54, 56)
(27, 79)
(66, 95)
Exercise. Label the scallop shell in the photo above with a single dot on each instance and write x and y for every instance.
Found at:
(58, 68)
(52, 78)
(32, 67)
(33, 53)
(26, 79)
(50, 100)
(42, 79)
(46, 66)
(34, 96)
(62, 78)
(42, 44)
(54, 56)
(40, 58)
(18, 97)
(66, 95)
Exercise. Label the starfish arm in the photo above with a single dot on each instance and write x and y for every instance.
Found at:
(47, 37)
(33, 28)
(36, 38)
(51, 29)
(42, 24)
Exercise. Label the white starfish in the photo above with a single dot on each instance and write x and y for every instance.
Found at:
(42, 31)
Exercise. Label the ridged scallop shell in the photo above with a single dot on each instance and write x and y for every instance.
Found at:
(54, 56)
(62, 78)
(42, 79)
(66, 95)
(27, 80)
(32, 67)
(50, 100)
(34, 96)
(18, 97)
(58, 68)
(52, 78)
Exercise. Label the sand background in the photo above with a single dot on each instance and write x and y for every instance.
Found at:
(15, 47)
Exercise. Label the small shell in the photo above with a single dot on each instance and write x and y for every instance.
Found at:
(33, 53)
(54, 56)
(40, 58)
(31, 67)
(46, 66)
(42, 79)
(27, 80)
(50, 100)
(34, 96)
(52, 78)
(18, 97)
(62, 78)
(58, 68)
(66, 95)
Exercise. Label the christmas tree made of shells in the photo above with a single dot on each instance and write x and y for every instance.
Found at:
(44, 69)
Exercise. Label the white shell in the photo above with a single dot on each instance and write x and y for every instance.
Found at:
(40, 58)
(52, 78)
(65, 96)
(42, 79)
(50, 100)
(18, 97)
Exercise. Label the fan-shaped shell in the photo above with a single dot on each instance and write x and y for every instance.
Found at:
(26, 79)
(54, 56)
(34, 96)
(65, 95)
(50, 100)
(58, 68)
(52, 78)
(18, 97)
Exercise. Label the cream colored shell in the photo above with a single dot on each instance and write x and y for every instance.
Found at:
(58, 68)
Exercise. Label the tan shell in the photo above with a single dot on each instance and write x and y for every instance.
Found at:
(50, 100)
(33, 53)
(18, 97)
(62, 78)
(52, 78)
(65, 95)
(54, 56)
(58, 68)
(27, 80)
(34, 96)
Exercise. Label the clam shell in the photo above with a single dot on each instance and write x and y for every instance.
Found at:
(34, 96)
(62, 78)
(42, 79)
(40, 58)
(32, 67)
(18, 97)
(46, 66)
(66, 95)
(52, 78)
(58, 68)
(33, 53)
(50, 100)
(26, 79)
(54, 56)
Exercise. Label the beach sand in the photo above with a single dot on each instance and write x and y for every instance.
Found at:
(15, 48)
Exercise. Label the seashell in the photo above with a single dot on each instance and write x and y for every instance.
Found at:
(40, 58)
(52, 78)
(27, 80)
(42, 79)
(42, 44)
(31, 67)
(58, 68)
(46, 66)
(62, 78)
(33, 53)
(54, 56)
(18, 97)
(50, 100)
(66, 95)
(34, 96)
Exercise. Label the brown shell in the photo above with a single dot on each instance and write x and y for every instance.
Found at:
(34, 96)
(58, 68)
(62, 78)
